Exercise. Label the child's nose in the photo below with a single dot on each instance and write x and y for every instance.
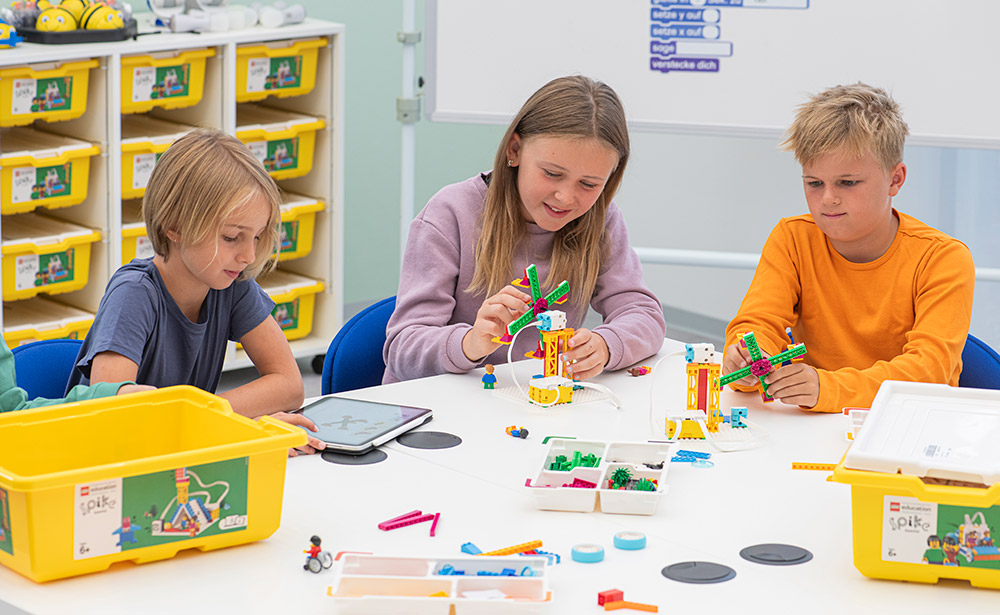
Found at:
(247, 252)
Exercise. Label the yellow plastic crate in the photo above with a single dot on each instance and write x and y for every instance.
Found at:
(279, 68)
(144, 140)
(135, 242)
(40, 169)
(295, 299)
(298, 223)
(283, 141)
(38, 319)
(168, 79)
(139, 490)
(44, 255)
(52, 92)
(893, 517)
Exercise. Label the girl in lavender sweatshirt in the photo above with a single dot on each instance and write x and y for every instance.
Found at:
(546, 202)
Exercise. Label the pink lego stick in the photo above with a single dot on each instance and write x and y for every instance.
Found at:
(386, 526)
(435, 523)
(412, 513)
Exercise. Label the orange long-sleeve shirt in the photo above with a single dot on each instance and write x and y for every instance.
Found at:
(903, 316)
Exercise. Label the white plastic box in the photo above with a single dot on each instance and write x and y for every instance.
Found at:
(644, 461)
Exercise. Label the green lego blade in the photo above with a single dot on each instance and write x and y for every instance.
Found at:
(795, 351)
(536, 289)
(560, 291)
(732, 376)
(521, 322)
(752, 347)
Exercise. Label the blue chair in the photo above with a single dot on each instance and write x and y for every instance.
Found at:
(980, 365)
(354, 358)
(43, 368)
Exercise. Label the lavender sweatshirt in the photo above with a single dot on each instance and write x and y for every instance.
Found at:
(434, 311)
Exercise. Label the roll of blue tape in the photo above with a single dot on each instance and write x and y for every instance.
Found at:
(630, 541)
(587, 553)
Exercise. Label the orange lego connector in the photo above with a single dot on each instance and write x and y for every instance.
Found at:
(635, 606)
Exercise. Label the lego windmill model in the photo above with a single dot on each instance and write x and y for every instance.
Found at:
(760, 366)
(554, 385)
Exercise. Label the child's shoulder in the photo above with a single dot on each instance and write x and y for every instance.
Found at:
(913, 228)
(139, 273)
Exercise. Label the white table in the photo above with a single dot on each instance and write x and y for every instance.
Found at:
(749, 497)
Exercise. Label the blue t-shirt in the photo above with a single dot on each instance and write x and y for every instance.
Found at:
(138, 319)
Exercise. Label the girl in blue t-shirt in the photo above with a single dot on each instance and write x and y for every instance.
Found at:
(211, 213)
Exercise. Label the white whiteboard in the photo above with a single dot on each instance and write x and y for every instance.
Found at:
(940, 60)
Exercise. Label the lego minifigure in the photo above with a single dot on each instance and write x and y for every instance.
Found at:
(489, 380)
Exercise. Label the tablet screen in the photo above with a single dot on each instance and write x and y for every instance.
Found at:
(352, 424)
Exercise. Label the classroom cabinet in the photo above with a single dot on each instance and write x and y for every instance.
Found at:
(81, 128)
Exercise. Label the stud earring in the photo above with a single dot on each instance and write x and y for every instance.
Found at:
(510, 163)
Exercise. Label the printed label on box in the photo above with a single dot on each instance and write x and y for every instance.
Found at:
(142, 169)
(282, 154)
(289, 236)
(35, 183)
(287, 314)
(938, 534)
(162, 507)
(6, 538)
(157, 83)
(40, 95)
(32, 270)
(264, 74)
(144, 247)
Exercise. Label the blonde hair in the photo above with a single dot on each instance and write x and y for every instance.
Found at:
(861, 118)
(198, 184)
(575, 107)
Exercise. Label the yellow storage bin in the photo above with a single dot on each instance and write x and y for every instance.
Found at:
(52, 92)
(278, 68)
(895, 517)
(144, 140)
(295, 299)
(283, 141)
(139, 490)
(40, 169)
(168, 79)
(44, 255)
(38, 319)
(298, 223)
(135, 242)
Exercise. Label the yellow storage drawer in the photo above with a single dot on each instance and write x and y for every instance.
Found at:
(168, 79)
(197, 475)
(52, 92)
(298, 224)
(44, 255)
(40, 169)
(135, 242)
(144, 140)
(283, 141)
(277, 68)
(37, 319)
(295, 299)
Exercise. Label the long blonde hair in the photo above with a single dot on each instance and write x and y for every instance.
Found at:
(565, 107)
(199, 182)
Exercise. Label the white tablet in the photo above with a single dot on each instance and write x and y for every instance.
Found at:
(353, 426)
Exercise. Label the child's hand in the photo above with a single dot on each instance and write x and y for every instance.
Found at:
(737, 357)
(134, 388)
(796, 384)
(492, 319)
(588, 354)
(313, 445)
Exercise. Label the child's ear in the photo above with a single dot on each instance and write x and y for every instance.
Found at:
(896, 178)
(173, 236)
(514, 150)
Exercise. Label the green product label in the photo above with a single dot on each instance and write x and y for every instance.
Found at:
(938, 534)
(6, 540)
(284, 73)
(40, 95)
(171, 81)
(282, 154)
(163, 507)
(287, 314)
(289, 236)
(36, 270)
(37, 183)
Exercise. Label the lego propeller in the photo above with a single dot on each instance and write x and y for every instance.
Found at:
(760, 366)
(538, 304)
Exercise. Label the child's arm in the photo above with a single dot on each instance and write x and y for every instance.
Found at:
(279, 387)
(492, 319)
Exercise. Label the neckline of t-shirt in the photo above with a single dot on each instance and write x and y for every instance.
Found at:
(172, 303)
(878, 262)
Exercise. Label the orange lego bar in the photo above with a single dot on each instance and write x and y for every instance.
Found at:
(635, 606)
(824, 467)
(528, 546)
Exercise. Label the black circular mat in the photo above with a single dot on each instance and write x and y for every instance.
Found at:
(428, 439)
(373, 456)
(776, 555)
(698, 572)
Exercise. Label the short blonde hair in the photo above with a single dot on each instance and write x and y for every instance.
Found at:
(197, 185)
(861, 118)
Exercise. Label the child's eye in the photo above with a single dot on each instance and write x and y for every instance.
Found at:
(849, 182)
(814, 183)
(588, 185)
(230, 239)
(550, 173)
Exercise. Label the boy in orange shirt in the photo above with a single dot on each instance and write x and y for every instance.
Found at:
(874, 294)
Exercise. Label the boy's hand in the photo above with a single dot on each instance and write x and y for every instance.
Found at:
(314, 445)
(588, 354)
(796, 384)
(492, 319)
(737, 357)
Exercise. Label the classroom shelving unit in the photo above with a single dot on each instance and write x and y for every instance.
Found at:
(106, 212)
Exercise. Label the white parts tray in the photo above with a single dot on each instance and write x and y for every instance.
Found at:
(931, 430)
(375, 584)
(548, 492)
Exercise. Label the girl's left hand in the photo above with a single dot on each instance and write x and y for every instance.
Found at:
(588, 354)
(314, 445)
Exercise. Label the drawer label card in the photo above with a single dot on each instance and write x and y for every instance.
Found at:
(287, 315)
(41, 95)
(158, 83)
(266, 74)
(144, 247)
(6, 540)
(122, 514)
(142, 169)
(34, 270)
(289, 236)
(37, 183)
(918, 532)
